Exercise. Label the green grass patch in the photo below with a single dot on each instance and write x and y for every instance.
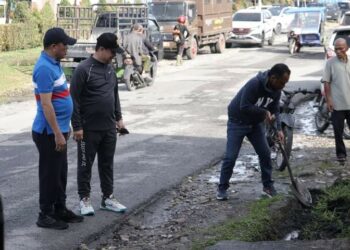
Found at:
(16, 72)
(330, 218)
(256, 226)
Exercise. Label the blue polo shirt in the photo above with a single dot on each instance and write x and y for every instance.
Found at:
(48, 77)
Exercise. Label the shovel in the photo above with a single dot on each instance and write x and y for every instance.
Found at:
(299, 190)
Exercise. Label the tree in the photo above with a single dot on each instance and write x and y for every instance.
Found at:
(85, 3)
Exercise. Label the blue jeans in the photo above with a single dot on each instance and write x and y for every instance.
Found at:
(256, 135)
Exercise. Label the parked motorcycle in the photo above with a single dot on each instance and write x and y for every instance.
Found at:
(323, 116)
(132, 76)
(287, 119)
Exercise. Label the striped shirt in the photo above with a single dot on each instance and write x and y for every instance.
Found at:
(48, 77)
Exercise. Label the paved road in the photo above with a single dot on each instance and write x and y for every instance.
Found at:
(177, 128)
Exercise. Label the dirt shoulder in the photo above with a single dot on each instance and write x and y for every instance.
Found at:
(181, 218)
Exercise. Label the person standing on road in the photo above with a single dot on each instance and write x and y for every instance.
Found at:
(257, 102)
(51, 130)
(180, 34)
(96, 116)
(336, 77)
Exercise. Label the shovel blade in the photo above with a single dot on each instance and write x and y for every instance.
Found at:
(301, 192)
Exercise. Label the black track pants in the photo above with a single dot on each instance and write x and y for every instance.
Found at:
(103, 143)
(53, 168)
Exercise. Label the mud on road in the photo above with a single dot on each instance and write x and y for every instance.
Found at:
(179, 218)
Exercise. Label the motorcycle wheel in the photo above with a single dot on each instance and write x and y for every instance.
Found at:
(129, 82)
(191, 52)
(321, 117)
(346, 133)
(292, 46)
(279, 162)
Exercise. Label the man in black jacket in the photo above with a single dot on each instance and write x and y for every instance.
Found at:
(96, 116)
(257, 102)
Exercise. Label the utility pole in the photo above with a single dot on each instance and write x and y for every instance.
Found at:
(259, 3)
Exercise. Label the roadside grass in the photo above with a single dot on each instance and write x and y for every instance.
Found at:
(330, 216)
(16, 73)
(254, 227)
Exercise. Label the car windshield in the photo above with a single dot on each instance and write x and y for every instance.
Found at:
(346, 20)
(167, 11)
(247, 17)
(275, 11)
(343, 34)
(344, 5)
(304, 20)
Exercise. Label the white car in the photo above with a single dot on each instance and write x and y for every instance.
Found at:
(280, 19)
(252, 26)
(340, 32)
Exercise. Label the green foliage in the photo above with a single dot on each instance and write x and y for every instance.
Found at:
(65, 3)
(22, 13)
(254, 227)
(331, 214)
(85, 3)
(47, 18)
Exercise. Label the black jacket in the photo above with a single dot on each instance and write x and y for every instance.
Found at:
(94, 90)
(251, 103)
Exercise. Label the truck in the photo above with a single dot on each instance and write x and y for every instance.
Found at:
(208, 21)
(87, 23)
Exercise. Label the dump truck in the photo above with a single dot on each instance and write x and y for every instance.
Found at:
(208, 21)
(87, 23)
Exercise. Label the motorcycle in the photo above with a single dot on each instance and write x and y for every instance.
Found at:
(287, 108)
(323, 116)
(132, 76)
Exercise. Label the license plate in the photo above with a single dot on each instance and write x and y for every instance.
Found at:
(166, 44)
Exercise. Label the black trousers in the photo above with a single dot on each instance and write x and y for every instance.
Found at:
(53, 168)
(103, 144)
(338, 118)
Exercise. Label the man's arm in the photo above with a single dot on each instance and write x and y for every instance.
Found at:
(79, 79)
(249, 99)
(327, 79)
(50, 116)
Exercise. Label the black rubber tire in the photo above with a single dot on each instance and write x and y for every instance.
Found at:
(272, 39)
(212, 49)
(292, 46)
(262, 43)
(220, 44)
(321, 117)
(129, 82)
(192, 51)
(288, 144)
(346, 133)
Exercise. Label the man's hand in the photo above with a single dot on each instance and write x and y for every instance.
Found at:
(121, 128)
(330, 104)
(61, 142)
(78, 135)
(280, 136)
(269, 118)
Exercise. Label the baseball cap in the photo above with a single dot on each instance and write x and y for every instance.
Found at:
(108, 41)
(57, 35)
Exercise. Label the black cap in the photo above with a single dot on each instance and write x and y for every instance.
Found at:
(108, 41)
(57, 35)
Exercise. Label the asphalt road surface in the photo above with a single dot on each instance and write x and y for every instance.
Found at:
(178, 126)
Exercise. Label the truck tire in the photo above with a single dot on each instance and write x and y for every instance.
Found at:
(220, 44)
(212, 48)
(191, 51)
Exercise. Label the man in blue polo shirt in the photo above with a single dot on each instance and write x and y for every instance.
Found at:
(50, 130)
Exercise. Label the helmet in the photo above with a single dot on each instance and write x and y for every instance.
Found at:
(181, 19)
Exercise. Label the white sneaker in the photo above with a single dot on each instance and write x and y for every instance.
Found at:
(86, 207)
(112, 204)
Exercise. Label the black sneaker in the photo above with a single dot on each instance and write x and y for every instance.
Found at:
(269, 191)
(68, 216)
(48, 221)
(221, 195)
